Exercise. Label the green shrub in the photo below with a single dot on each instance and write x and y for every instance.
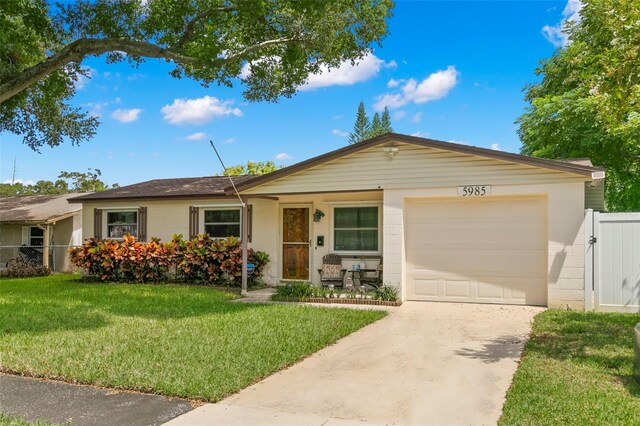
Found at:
(296, 289)
(386, 293)
(202, 260)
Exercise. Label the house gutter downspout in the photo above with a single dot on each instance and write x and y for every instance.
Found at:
(245, 244)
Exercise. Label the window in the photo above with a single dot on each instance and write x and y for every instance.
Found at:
(120, 224)
(36, 236)
(355, 229)
(222, 223)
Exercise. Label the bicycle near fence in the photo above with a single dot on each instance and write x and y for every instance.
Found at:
(26, 255)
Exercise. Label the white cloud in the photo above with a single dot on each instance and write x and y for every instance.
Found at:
(135, 76)
(554, 33)
(228, 141)
(417, 117)
(495, 146)
(24, 182)
(393, 83)
(347, 74)
(199, 110)
(420, 134)
(434, 87)
(399, 115)
(196, 136)
(82, 80)
(340, 133)
(126, 115)
(458, 142)
(283, 156)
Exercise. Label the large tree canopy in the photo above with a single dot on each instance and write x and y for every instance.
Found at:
(588, 102)
(271, 45)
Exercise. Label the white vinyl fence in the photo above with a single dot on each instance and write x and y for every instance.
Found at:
(612, 263)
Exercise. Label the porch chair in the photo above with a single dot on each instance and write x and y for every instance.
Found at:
(373, 279)
(332, 271)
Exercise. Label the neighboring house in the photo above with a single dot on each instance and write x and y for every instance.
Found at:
(33, 222)
(452, 222)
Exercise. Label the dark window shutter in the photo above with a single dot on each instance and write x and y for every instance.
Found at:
(249, 222)
(142, 224)
(97, 224)
(193, 222)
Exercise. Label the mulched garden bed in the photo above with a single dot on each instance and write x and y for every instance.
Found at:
(338, 300)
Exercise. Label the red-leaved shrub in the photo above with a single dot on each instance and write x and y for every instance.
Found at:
(203, 259)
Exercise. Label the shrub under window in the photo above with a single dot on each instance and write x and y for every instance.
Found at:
(355, 228)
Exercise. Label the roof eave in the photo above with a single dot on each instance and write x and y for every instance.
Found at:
(585, 171)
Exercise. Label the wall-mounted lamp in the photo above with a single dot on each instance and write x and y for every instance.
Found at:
(317, 215)
(391, 151)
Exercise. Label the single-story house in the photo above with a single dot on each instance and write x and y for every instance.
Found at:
(450, 222)
(31, 223)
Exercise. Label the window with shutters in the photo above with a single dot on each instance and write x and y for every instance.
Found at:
(222, 223)
(36, 236)
(121, 223)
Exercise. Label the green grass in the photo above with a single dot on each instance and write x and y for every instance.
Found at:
(17, 421)
(576, 370)
(175, 340)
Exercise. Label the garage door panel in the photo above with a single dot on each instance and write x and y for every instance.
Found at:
(531, 263)
(477, 250)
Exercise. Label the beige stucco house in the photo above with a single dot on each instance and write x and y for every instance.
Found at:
(42, 226)
(451, 222)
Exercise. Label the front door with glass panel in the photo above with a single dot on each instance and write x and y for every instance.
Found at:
(295, 243)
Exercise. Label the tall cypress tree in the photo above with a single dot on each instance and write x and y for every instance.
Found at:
(362, 127)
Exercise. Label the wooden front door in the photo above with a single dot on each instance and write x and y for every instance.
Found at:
(295, 243)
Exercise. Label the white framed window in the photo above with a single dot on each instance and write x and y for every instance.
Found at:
(36, 236)
(222, 222)
(356, 229)
(121, 223)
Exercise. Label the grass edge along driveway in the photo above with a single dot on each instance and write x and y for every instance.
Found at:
(183, 341)
(575, 370)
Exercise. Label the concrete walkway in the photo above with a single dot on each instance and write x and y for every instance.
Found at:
(33, 399)
(424, 364)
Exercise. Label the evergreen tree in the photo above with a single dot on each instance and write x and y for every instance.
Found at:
(376, 126)
(385, 125)
(362, 127)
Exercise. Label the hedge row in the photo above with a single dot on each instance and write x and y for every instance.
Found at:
(202, 260)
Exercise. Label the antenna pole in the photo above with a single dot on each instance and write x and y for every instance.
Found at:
(225, 173)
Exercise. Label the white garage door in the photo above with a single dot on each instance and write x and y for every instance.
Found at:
(482, 250)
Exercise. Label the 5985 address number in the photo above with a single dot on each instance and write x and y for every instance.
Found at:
(474, 190)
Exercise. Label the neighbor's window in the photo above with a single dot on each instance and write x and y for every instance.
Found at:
(222, 223)
(120, 224)
(36, 236)
(355, 228)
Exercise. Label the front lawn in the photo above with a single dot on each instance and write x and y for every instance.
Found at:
(175, 340)
(576, 369)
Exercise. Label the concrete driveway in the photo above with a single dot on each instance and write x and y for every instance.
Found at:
(426, 363)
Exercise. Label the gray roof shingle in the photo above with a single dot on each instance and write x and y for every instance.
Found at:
(208, 186)
(36, 208)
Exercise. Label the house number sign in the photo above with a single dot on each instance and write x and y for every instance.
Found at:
(474, 190)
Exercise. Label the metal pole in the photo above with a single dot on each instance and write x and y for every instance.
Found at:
(636, 359)
(45, 246)
(245, 244)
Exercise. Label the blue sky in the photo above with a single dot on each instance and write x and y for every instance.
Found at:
(448, 70)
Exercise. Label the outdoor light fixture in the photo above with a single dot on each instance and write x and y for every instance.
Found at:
(391, 151)
(317, 215)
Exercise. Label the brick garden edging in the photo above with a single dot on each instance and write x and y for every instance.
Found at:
(337, 300)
